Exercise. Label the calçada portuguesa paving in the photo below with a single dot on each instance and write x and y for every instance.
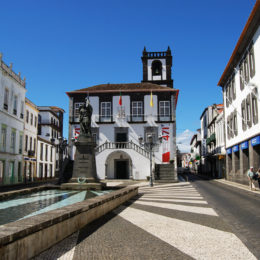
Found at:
(168, 221)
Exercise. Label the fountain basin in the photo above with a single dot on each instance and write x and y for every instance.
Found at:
(28, 237)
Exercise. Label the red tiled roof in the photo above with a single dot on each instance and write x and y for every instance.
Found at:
(124, 87)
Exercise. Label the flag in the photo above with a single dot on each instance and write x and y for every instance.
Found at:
(151, 100)
(120, 100)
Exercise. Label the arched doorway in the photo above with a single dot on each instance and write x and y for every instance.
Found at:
(118, 165)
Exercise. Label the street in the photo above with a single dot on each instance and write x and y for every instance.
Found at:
(239, 208)
(199, 219)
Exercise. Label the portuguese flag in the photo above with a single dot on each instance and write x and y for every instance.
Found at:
(120, 100)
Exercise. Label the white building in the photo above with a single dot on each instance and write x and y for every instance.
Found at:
(30, 140)
(148, 108)
(211, 156)
(45, 159)
(12, 102)
(240, 83)
(50, 128)
(195, 152)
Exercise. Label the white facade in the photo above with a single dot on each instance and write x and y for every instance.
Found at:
(50, 127)
(135, 156)
(240, 83)
(45, 159)
(12, 104)
(30, 140)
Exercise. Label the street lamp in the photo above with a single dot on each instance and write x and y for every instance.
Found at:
(62, 145)
(149, 146)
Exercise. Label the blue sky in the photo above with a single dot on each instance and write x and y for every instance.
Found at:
(64, 45)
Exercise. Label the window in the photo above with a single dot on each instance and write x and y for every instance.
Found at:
(26, 143)
(137, 111)
(246, 70)
(243, 112)
(227, 97)
(27, 116)
(35, 121)
(22, 110)
(254, 108)
(76, 109)
(41, 152)
(105, 112)
(241, 75)
(156, 68)
(31, 119)
(15, 106)
(164, 111)
(3, 138)
(252, 62)
(20, 143)
(46, 152)
(13, 137)
(19, 171)
(248, 111)
(51, 154)
(153, 131)
(2, 171)
(30, 143)
(6, 97)
(235, 123)
(233, 88)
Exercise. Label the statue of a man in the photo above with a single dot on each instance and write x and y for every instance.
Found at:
(85, 113)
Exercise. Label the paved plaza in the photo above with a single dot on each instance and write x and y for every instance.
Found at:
(168, 221)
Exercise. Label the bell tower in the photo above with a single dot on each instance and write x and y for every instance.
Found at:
(157, 67)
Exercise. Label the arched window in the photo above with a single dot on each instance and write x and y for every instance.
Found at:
(156, 68)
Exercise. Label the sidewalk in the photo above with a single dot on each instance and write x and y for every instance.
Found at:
(167, 221)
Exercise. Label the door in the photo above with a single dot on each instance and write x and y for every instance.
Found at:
(121, 169)
(121, 139)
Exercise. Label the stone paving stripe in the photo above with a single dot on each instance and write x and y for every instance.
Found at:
(206, 220)
(193, 209)
(188, 238)
(113, 237)
(158, 199)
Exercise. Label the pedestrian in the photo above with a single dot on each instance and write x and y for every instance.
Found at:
(250, 175)
(258, 177)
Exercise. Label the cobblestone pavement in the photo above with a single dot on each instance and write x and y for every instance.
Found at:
(168, 221)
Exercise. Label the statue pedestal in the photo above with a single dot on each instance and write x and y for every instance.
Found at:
(84, 175)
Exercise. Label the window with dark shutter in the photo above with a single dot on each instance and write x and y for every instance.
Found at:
(227, 102)
(243, 112)
(246, 69)
(235, 123)
(241, 75)
(252, 62)
(254, 106)
(248, 111)
(233, 87)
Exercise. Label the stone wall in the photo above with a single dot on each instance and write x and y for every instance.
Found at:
(28, 237)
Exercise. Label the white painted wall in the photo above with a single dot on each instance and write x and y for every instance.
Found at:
(240, 95)
(11, 121)
(141, 167)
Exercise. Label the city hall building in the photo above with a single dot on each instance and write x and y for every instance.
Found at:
(125, 115)
(240, 84)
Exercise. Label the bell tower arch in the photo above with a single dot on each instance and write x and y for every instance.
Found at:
(157, 67)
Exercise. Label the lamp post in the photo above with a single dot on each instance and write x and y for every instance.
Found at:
(62, 145)
(149, 146)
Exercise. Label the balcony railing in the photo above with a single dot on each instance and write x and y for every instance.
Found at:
(122, 145)
(211, 139)
(127, 118)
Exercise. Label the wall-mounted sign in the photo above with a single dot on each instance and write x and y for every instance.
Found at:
(244, 145)
(235, 148)
(229, 150)
(165, 133)
(255, 141)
